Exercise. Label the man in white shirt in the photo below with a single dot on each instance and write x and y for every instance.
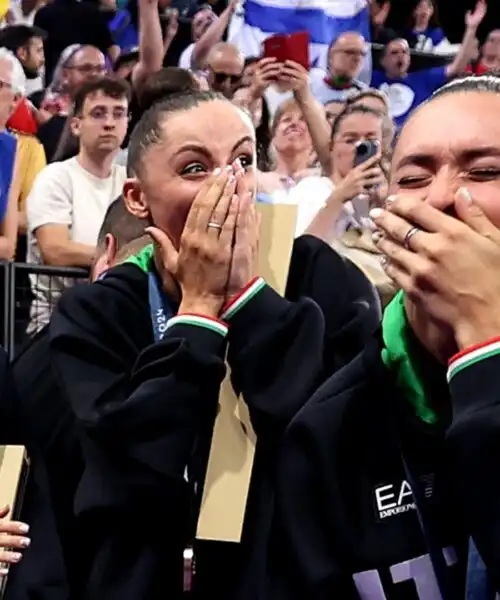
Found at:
(346, 56)
(69, 199)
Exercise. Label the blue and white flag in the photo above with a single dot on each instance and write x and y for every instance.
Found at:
(325, 20)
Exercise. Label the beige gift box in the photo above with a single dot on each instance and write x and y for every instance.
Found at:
(232, 452)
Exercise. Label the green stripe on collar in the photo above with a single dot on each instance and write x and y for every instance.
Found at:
(143, 259)
(419, 377)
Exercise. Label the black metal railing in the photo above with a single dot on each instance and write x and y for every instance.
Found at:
(18, 298)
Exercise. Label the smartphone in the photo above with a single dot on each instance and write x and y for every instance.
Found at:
(293, 46)
(365, 150)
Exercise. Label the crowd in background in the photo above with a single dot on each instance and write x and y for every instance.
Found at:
(84, 86)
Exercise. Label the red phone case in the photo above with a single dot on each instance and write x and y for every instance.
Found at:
(294, 46)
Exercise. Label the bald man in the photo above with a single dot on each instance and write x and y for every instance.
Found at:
(225, 63)
(345, 61)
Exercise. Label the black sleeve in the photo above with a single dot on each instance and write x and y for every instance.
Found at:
(143, 404)
(474, 441)
(140, 406)
(281, 351)
(305, 559)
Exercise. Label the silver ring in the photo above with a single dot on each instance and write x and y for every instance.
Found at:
(213, 225)
(409, 234)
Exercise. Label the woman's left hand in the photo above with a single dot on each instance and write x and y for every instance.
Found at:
(246, 237)
(448, 266)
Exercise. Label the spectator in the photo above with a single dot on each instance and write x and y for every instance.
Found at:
(225, 63)
(78, 64)
(69, 22)
(345, 61)
(424, 31)
(291, 152)
(12, 83)
(406, 90)
(27, 44)
(202, 20)
(489, 59)
(333, 110)
(328, 206)
(69, 199)
(403, 446)
(22, 12)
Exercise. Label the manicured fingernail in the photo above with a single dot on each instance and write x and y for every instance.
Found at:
(217, 171)
(384, 261)
(229, 169)
(375, 213)
(464, 193)
(376, 236)
(24, 527)
(4, 572)
(232, 178)
(390, 199)
(237, 164)
(25, 542)
(16, 556)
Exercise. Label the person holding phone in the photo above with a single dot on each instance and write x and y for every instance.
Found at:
(325, 203)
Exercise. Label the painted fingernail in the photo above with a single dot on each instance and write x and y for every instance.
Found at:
(229, 169)
(16, 556)
(375, 213)
(384, 261)
(25, 542)
(376, 236)
(464, 193)
(237, 164)
(217, 171)
(232, 178)
(390, 199)
(24, 527)
(4, 572)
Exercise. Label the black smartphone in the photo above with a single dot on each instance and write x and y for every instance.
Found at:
(365, 150)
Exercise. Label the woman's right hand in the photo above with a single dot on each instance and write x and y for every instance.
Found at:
(360, 179)
(12, 540)
(202, 264)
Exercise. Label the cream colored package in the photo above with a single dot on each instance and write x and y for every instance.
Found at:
(14, 465)
(233, 444)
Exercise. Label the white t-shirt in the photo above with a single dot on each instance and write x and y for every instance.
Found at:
(64, 193)
(310, 195)
(274, 99)
(186, 57)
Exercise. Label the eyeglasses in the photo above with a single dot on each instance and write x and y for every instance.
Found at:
(352, 52)
(99, 113)
(221, 78)
(88, 69)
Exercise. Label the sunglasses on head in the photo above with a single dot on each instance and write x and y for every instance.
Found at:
(220, 78)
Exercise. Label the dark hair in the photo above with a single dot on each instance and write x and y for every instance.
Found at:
(109, 85)
(355, 109)
(18, 36)
(122, 225)
(469, 83)
(147, 132)
(434, 20)
(164, 83)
